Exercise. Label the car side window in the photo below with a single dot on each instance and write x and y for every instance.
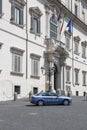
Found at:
(45, 94)
(53, 94)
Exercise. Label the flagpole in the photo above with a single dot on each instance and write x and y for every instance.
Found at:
(72, 58)
(72, 51)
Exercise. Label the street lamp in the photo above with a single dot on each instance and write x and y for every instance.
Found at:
(49, 73)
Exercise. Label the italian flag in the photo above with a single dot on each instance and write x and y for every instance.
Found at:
(61, 27)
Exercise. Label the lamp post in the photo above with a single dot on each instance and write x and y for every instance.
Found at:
(49, 73)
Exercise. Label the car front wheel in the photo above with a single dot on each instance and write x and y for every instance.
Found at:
(40, 103)
(65, 102)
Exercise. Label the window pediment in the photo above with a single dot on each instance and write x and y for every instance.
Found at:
(35, 56)
(84, 43)
(35, 10)
(77, 70)
(77, 39)
(21, 2)
(16, 50)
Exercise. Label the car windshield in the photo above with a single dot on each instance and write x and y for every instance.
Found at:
(37, 94)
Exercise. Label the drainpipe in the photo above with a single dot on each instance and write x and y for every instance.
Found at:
(26, 40)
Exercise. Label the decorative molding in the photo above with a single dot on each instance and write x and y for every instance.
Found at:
(84, 43)
(68, 82)
(35, 77)
(32, 55)
(16, 74)
(21, 2)
(68, 67)
(16, 50)
(76, 83)
(67, 34)
(35, 10)
(47, 9)
(77, 39)
(76, 70)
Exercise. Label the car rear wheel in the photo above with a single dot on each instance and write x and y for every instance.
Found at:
(65, 102)
(40, 103)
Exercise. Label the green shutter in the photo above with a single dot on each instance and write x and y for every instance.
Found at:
(32, 23)
(38, 31)
(13, 13)
(21, 17)
(0, 6)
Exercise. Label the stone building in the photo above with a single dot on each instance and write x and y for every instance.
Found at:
(38, 52)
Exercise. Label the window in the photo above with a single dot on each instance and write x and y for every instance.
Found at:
(77, 76)
(84, 44)
(68, 74)
(16, 59)
(67, 41)
(17, 89)
(35, 20)
(83, 51)
(17, 15)
(35, 67)
(35, 25)
(17, 55)
(76, 10)
(53, 27)
(77, 93)
(76, 47)
(35, 61)
(17, 12)
(84, 77)
(0, 7)
(83, 16)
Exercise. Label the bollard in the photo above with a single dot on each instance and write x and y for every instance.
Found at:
(15, 96)
(86, 96)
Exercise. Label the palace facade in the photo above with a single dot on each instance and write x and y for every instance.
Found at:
(43, 46)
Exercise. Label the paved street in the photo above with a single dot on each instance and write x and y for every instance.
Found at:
(21, 115)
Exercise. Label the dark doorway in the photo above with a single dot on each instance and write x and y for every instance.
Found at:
(17, 89)
(35, 90)
(77, 93)
(55, 78)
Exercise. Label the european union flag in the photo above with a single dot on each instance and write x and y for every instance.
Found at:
(69, 25)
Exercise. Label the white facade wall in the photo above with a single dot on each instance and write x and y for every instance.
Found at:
(14, 36)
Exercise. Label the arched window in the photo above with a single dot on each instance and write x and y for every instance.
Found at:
(53, 27)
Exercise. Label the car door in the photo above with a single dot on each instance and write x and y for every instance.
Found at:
(53, 98)
(46, 98)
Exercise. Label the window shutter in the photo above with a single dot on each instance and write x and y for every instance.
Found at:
(13, 13)
(38, 29)
(32, 23)
(21, 17)
(0, 6)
